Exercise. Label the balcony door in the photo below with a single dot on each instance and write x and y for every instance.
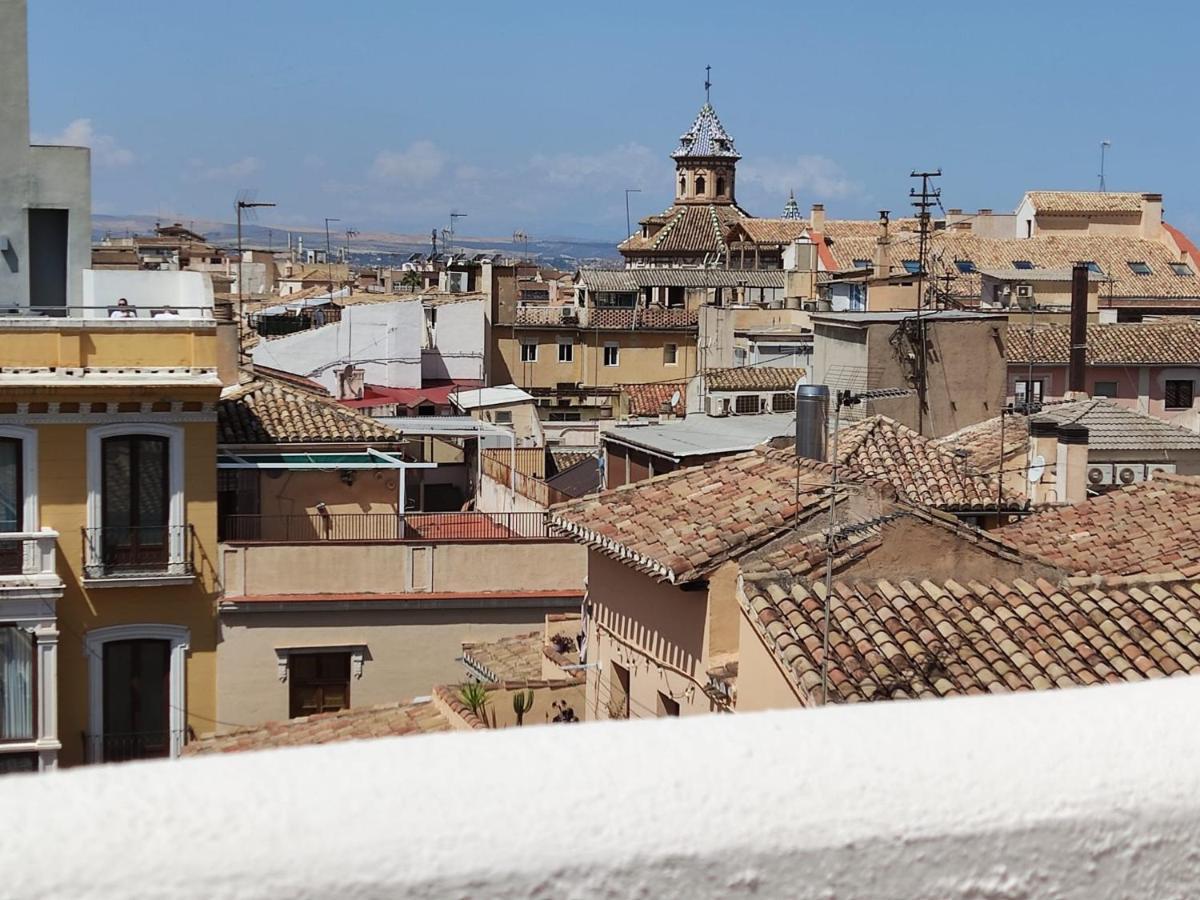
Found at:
(136, 690)
(135, 502)
(12, 504)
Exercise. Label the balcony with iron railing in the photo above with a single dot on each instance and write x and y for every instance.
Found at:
(153, 554)
(113, 747)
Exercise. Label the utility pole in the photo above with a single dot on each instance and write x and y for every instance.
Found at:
(350, 232)
(628, 225)
(240, 205)
(329, 256)
(923, 201)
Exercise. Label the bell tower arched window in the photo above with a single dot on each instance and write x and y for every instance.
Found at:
(699, 185)
(682, 185)
(720, 186)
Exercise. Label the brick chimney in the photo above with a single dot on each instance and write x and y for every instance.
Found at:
(1043, 442)
(1070, 477)
(1152, 217)
(817, 217)
(881, 260)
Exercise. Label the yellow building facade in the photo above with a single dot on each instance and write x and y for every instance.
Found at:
(108, 546)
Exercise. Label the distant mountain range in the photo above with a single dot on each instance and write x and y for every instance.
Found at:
(370, 246)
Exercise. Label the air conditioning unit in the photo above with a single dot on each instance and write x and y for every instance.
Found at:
(1100, 475)
(1025, 291)
(545, 401)
(569, 314)
(1129, 473)
(1153, 469)
(718, 406)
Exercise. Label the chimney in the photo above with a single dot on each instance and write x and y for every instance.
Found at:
(817, 218)
(1043, 446)
(880, 261)
(1070, 480)
(1152, 216)
(1077, 374)
(984, 212)
(812, 411)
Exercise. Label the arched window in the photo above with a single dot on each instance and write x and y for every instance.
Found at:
(682, 184)
(720, 186)
(699, 185)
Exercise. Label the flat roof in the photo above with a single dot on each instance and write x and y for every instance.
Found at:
(703, 435)
(500, 395)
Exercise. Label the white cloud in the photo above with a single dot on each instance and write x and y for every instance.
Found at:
(419, 163)
(81, 133)
(815, 175)
(240, 168)
(627, 165)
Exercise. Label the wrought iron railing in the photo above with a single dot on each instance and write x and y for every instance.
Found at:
(377, 527)
(132, 551)
(131, 745)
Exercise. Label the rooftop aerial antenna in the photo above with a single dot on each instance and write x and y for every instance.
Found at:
(454, 217)
(1104, 145)
(244, 204)
(707, 83)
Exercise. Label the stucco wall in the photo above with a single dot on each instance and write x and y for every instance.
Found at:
(760, 682)
(460, 336)
(392, 568)
(640, 357)
(408, 651)
(189, 293)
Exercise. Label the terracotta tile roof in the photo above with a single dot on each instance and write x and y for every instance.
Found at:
(1168, 342)
(768, 231)
(1114, 427)
(687, 229)
(564, 459)
(916, 640)
(921, 471)
(649, 399)
(387, 720)
(514, 658)
(753, 378)
(681, 526)
(1085, 201)
(267, 411)
(1147, 528)
(979, 444)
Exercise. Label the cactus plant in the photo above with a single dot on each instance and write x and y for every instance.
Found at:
(522, 703)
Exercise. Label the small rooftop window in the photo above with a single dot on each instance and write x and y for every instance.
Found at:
(912, 266)
(1139, 268)
(1181, 268)
(1022, 264)
(966, 266)
(862, 264)
(1093, 266)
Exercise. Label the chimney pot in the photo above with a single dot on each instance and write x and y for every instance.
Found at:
(985, 212)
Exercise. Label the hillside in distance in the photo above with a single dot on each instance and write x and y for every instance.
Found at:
(370, 247)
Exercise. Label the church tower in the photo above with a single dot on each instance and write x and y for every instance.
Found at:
(705, 161)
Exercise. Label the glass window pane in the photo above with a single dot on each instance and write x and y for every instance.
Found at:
(16, 684)
(11, 499)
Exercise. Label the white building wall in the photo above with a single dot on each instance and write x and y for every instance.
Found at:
(459, 341)
(1077, 793)
(383, 339)
(189, 294)
(34, 177)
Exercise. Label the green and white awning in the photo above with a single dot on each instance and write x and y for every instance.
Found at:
(367, 459)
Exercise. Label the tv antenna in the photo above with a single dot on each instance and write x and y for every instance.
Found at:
(244, 204)
(1104, 145)
(454, 217)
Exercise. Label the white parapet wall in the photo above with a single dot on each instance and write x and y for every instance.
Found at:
(1084, 793)
(188, 295)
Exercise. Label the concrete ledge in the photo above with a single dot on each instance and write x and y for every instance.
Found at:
(1086, 793)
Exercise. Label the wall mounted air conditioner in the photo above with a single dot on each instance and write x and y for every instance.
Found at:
(718, 406)
(1153, 469)
(1129, 473)
(569, 314)
(1099, 475)
(1025, 291)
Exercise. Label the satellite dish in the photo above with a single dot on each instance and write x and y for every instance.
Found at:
(674, 399)
(1037, 468)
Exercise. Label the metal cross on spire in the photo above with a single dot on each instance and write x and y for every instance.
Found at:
(707, 83)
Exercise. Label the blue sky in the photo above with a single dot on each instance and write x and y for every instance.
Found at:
(537, 115)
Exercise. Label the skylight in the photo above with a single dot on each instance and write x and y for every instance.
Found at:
(1139, 268)
(1093, 266)
(862, 264)
(1181, 268)
(966, 266)
(912, 266)
(1022, 264)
